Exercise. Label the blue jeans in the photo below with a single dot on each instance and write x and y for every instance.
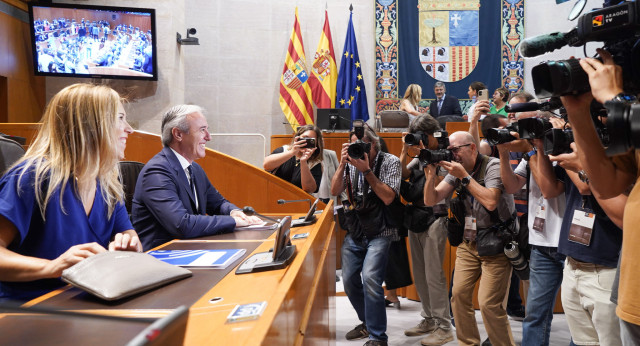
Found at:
(369, 258)
(545, 278)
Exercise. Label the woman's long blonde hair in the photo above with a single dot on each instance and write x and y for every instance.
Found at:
(77, 140)
(413, 94)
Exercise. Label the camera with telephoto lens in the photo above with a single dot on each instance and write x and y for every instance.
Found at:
(533, 128)
(497, 136)
(415, 138)
(617, 26)
(428, 156)
(558, 141)
(358, 149)
(623, 125)
(310, 142)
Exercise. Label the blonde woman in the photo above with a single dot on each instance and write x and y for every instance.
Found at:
(300, 162)
(62, 202)
(411, 99)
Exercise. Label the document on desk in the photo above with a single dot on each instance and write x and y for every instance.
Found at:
(218, 259)
(265, 226)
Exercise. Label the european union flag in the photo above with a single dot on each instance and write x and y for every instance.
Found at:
(350, 91)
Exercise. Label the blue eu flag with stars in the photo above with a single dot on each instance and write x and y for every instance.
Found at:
(350, 91)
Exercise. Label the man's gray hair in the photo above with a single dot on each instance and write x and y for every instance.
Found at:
(440, 84)
(373, 137)
(176, 116)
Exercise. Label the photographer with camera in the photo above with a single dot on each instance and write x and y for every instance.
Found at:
(543, 221)
(610, 177)
(300, 162)
(489, 215)
(427, 235)
(372, 180)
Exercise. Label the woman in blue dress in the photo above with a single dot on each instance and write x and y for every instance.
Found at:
(62, 202)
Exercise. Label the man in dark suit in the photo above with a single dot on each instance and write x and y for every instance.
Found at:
(444, 104)
(173, 197)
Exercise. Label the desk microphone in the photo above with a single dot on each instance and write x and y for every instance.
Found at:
(282, 201)
(249, 211)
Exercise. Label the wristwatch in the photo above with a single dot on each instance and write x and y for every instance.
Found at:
(528, 155)
(625, 98)
(583, 176)
(465, 181)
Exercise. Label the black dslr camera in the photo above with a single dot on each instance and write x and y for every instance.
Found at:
(497, 136)
(416, 138)
(617, 26)
(428, 156)
(358, 149)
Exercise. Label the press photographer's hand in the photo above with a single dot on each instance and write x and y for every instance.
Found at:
(454, 168)
(481, 107)
(306, 153)
(605, 77)
(361, 164)
(568, 161)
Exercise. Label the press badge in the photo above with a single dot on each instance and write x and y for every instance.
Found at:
(470, 223)
(540, 217)
(582, 226)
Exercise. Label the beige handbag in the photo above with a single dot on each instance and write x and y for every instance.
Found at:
(114, 275)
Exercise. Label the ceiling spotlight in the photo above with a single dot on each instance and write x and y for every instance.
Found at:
(189, 40)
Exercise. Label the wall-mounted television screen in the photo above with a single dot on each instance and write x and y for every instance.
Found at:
(93, 41)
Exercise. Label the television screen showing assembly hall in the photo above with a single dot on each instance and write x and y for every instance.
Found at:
(93, 41)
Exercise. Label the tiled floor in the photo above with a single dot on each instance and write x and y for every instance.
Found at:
(409, 315)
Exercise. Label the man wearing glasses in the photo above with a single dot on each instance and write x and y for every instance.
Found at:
(476, 178)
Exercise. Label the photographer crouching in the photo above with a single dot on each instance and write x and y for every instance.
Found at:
(372, 180)
(485, 213)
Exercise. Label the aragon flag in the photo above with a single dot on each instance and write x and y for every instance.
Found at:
(295, 93)
(324, 72)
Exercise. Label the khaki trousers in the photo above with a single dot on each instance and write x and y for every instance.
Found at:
(494, 273)
(427, 255)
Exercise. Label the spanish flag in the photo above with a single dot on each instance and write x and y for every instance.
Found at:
(295, 93)
(324, 72)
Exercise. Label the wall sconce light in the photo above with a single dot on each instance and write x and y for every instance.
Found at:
(189, 40)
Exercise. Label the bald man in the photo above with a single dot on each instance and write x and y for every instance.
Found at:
(476, 178)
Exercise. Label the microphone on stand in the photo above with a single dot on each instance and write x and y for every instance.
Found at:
(283, 201)
(249, 211)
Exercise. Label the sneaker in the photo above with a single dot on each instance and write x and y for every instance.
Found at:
(389, 303)
(427, 325)
(438, 337)
(516, 315)
(359, 332)
(375, 343)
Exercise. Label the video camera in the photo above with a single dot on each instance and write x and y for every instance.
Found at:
(617, 26)
(428, 156)
(358, 149)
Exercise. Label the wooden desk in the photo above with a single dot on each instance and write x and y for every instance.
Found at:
(299, 298)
